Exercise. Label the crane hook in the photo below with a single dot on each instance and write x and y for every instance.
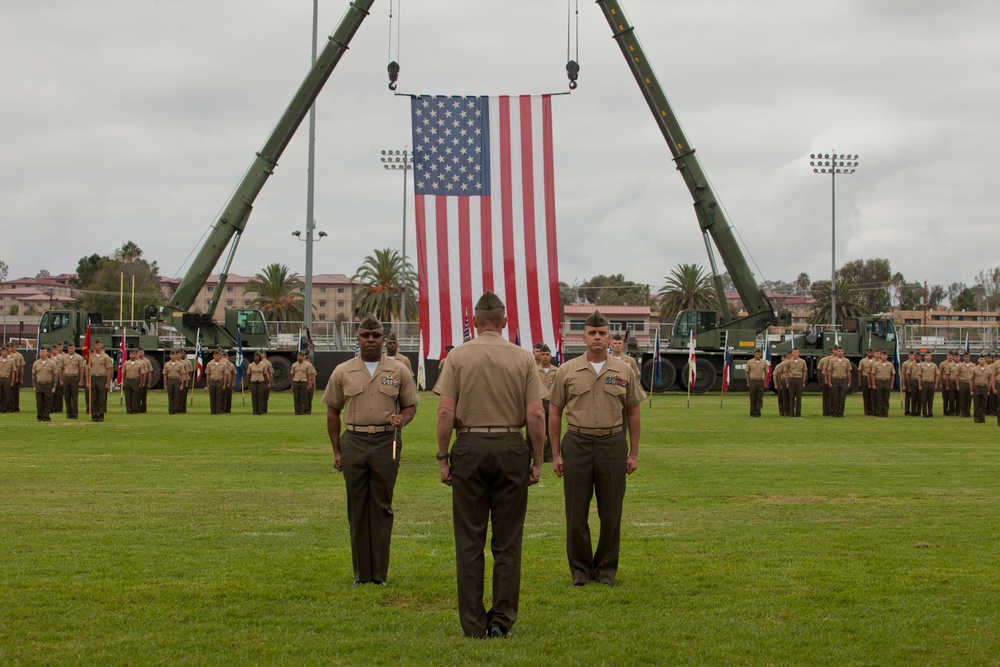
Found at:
(573, 72)
(393, 74)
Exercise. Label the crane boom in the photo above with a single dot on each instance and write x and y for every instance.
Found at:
(234, 215)
(711, 216)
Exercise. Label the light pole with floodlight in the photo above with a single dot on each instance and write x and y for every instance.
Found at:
(401, 160)
(834, 164)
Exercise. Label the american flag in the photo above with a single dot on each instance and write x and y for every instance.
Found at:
(466, 331)
(199, 362)
(727, 364)
(485, 211)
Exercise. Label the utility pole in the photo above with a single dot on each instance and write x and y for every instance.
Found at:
(401, 160)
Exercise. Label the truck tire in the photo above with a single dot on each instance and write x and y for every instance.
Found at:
(667, 380)
(704, 376)
(282, 373)
(156, 376)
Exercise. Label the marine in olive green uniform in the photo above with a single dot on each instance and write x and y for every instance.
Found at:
(17, 379)
(7, 369)
(945, 367)
(489, 390)
(930, 376)
(824, 380)
(187, 379)
(838, 376)
(756, 372)
(133, 373)
(74, 369)
(546, 375)
(216, 373)
(795, 378)
(372, 398)
(780, 378)
(982, 380)
(269, 374)
(864, 382)
(100, 371)
(303, 381)
(56, 355)
(618, 352)
(172, 371)
(44, 378)
(882, 374)
(598, 394)
(907, 383)
(965, 368)
(257, 374)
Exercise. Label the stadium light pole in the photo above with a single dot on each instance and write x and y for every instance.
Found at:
(833, 164)
(400, 160)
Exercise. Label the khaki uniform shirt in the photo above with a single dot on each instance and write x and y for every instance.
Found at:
(906, 370)
(756, 369)
(147, 365)
(840, 368)
(492, 381)
(630, 361)
(821, 367)
(369, 400)
(257, 372)
(928, 371)
(403, 360)
(982, 376)
(100, 365)
(172, 370)
(44, 371)
(996, 368)
(797, 368)
(546, 378)
(134, 369)
(779, 373)
(965, 372)
(595, 400)
(268, 369)
(883, 370)
(7, 366)
(72, 365)
(945, 368)
(215, 371)
(865, 367)
(302, 370)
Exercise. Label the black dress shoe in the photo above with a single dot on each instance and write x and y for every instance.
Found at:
(496, 632)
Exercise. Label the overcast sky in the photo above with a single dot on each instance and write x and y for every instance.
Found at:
(135, 119)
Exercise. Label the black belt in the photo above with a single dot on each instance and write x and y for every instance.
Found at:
(368, 429)
(489, 429)
(596, 431)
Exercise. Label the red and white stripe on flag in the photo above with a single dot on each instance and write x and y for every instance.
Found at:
(485, 211)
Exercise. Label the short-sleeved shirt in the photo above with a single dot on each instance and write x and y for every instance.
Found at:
(366, 399)
(630, 361)
(172, 370)
(546, 376)
(301, 370)
(216, 371)
(865, 366)
(796, 368)
(403, 360)
(756, 369)
(928, 371)
(134, 369)
(268, 368)
(592, 399)
(72, 364)
(44, 371)
(100, 365)
(965, 371)
(883, 370)
(840, 368)
(257, 372)
(982, 375)
(491, 380)
(7, 366)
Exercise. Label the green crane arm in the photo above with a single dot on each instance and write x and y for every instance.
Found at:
(709, 211)
(234, 215)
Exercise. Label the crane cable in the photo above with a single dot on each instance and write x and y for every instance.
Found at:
(393, 67)
(572, 61)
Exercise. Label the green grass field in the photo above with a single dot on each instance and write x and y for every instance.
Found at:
(192, 539)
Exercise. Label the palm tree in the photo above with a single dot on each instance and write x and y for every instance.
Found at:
(278, 293)
(849, 302)
(688, 287)
(382, 278)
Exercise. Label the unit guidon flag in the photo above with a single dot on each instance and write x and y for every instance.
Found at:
(485, 213)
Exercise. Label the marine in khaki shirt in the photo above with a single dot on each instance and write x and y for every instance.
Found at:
(392, 352)
(618, 352)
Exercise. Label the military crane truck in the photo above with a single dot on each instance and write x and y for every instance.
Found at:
(174, 325)
(713, 329)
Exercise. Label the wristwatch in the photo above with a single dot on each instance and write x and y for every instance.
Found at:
(442, 457)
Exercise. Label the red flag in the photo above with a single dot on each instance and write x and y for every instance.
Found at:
(85, 352)
(484, 193)
(692, 361)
